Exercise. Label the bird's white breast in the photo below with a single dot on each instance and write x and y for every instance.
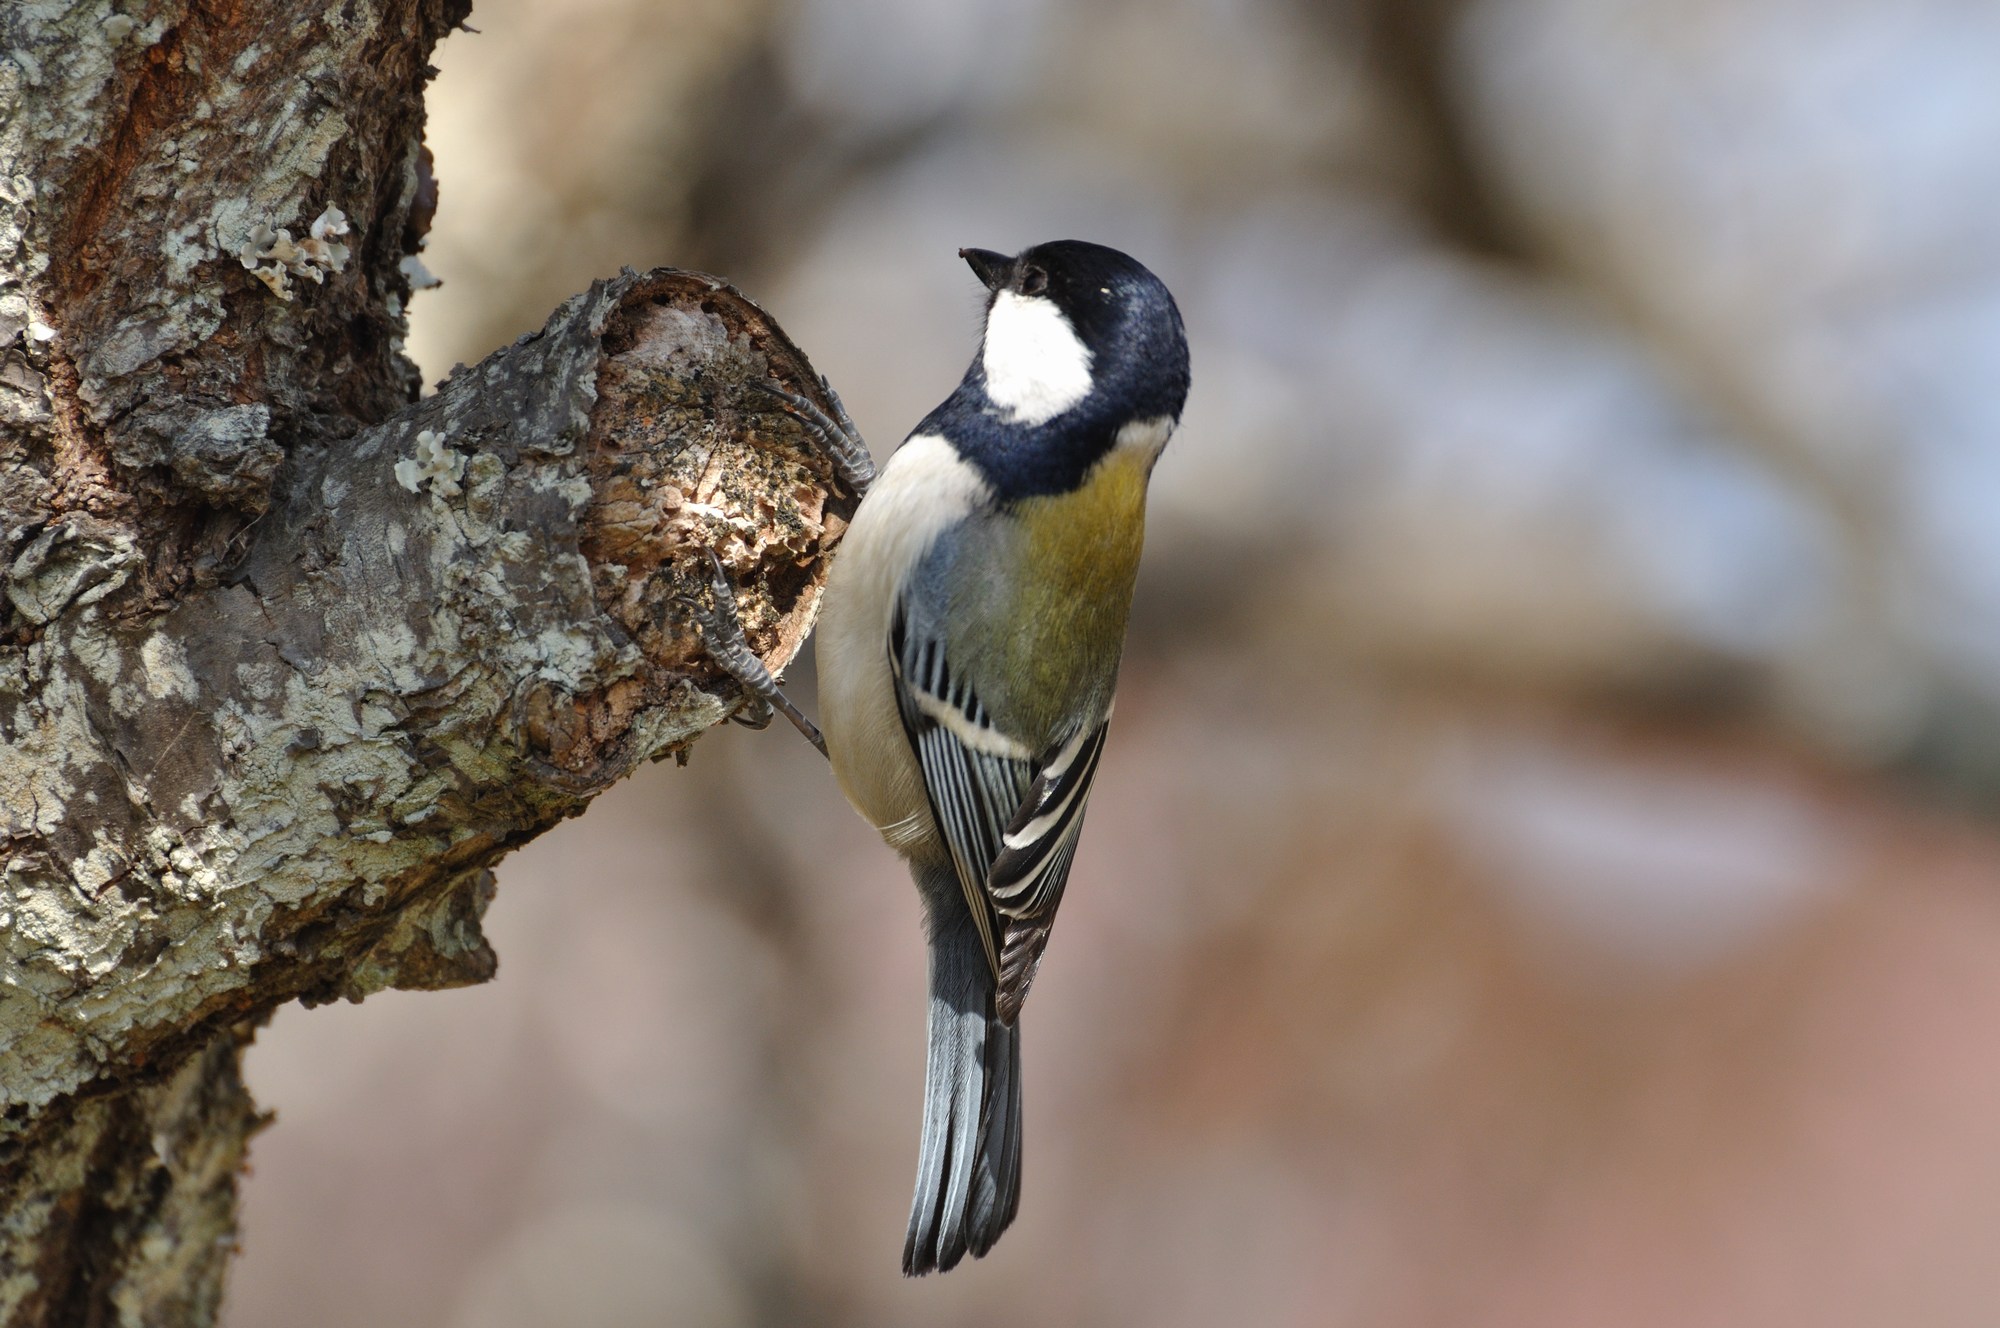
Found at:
(1036, 366)
(925, 488)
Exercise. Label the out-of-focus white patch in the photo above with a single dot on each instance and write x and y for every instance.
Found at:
(1510, 480)
(1638, 868)
(1833, 275)
(889, 65)
(419, 276)
(1036, 366)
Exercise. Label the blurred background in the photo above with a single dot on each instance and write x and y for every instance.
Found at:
(1544, 871)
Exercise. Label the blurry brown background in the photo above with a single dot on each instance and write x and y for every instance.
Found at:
(1544, 871)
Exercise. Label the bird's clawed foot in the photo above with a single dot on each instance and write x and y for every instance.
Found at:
(835, 433)
(722, 631)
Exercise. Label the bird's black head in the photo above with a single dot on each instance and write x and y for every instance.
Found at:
(1081, 341)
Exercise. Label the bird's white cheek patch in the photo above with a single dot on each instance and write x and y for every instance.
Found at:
(1036, 367)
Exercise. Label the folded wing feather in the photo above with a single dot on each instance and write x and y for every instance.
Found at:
(1011, 818)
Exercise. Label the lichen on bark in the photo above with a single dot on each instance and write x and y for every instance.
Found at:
(288, 656)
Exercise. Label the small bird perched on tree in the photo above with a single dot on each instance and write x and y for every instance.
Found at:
(969, 642)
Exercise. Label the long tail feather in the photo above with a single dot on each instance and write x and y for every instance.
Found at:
(997, 1183)
(969, 1162)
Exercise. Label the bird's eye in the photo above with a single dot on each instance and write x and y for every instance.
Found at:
(1034, 281)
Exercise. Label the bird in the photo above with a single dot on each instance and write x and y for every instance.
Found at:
(968, 645)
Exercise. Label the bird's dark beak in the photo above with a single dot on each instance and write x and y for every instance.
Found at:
(989, 267)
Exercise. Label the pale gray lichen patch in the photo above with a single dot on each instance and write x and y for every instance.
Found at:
(71, 563)
(437, 943)
(223, 453)
(389, 691)
(164, 661)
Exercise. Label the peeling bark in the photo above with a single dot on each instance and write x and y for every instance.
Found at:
(288, 658)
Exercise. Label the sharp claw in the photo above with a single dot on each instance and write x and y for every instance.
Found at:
(773, 387)
(756, 716)
(836, 433)
(840, 410)
(722, 630)
(718, 576)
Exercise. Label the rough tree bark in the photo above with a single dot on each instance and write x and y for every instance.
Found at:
(288, 657)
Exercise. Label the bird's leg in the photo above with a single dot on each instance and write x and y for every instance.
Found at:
(722, 630)
(721, 624)
(835, 434)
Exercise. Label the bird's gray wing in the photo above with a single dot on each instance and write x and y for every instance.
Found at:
(975, 776)
(1025, 882)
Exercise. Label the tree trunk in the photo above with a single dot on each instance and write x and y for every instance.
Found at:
(288, 657)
